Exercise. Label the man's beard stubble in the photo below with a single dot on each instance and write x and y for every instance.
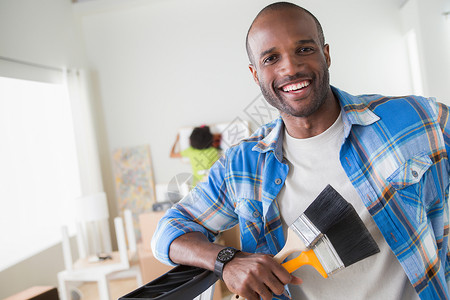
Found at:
(320, 94)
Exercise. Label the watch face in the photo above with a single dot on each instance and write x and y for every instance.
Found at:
(226, 254)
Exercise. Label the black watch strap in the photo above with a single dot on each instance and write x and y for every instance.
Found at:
(223, 257)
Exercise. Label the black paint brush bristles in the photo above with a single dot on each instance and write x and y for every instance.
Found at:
(351, 239)
(327, 209)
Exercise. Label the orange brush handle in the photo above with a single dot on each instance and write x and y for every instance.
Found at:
(305, 258)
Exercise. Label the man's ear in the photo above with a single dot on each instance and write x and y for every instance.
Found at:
(326, 52)
(254, 73)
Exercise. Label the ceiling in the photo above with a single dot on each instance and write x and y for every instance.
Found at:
(399, 3)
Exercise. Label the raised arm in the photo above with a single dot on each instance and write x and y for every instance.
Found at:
(173, 152)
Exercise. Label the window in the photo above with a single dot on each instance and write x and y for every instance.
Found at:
(39, 171)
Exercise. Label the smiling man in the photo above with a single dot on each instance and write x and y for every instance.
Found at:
(290, 61)
(388, 156)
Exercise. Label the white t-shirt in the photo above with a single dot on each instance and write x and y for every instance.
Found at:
(314, 163)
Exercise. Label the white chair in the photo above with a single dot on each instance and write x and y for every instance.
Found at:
(93, 237)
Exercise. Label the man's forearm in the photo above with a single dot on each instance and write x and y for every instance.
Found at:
(249, 275)
(194, 249)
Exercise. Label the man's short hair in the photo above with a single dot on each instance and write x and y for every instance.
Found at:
(277, 7)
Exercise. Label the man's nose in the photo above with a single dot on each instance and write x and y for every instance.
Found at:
(289, 65)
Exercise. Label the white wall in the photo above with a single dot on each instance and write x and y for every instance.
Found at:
(426, 18)
(41, 32)
(167, 64)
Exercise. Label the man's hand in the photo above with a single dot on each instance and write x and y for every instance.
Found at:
(255, 276)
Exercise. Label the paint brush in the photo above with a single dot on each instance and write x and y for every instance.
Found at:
(327, 209)
(345, 243)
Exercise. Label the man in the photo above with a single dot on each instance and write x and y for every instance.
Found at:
(386, 156)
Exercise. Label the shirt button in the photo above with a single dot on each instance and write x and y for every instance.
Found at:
(255, 214)
(414, 173)
(277, 181)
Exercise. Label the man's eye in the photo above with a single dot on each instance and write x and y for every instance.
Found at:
(304, 50)
(269, 59)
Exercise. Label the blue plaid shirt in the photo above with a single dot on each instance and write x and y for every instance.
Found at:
(394, 153)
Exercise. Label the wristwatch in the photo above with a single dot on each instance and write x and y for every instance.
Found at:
(223, 257)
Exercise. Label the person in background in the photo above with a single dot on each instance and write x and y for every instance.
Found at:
(201, 153)
(388, 157)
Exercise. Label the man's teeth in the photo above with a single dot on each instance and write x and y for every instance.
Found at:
(297, 86)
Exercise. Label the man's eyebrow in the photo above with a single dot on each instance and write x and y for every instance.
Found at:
(310, 41)
(264, 53)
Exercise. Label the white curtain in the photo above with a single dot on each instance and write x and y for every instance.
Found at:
(88, 160)
(86, 142)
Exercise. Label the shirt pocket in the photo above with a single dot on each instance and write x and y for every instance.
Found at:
(414, 186)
